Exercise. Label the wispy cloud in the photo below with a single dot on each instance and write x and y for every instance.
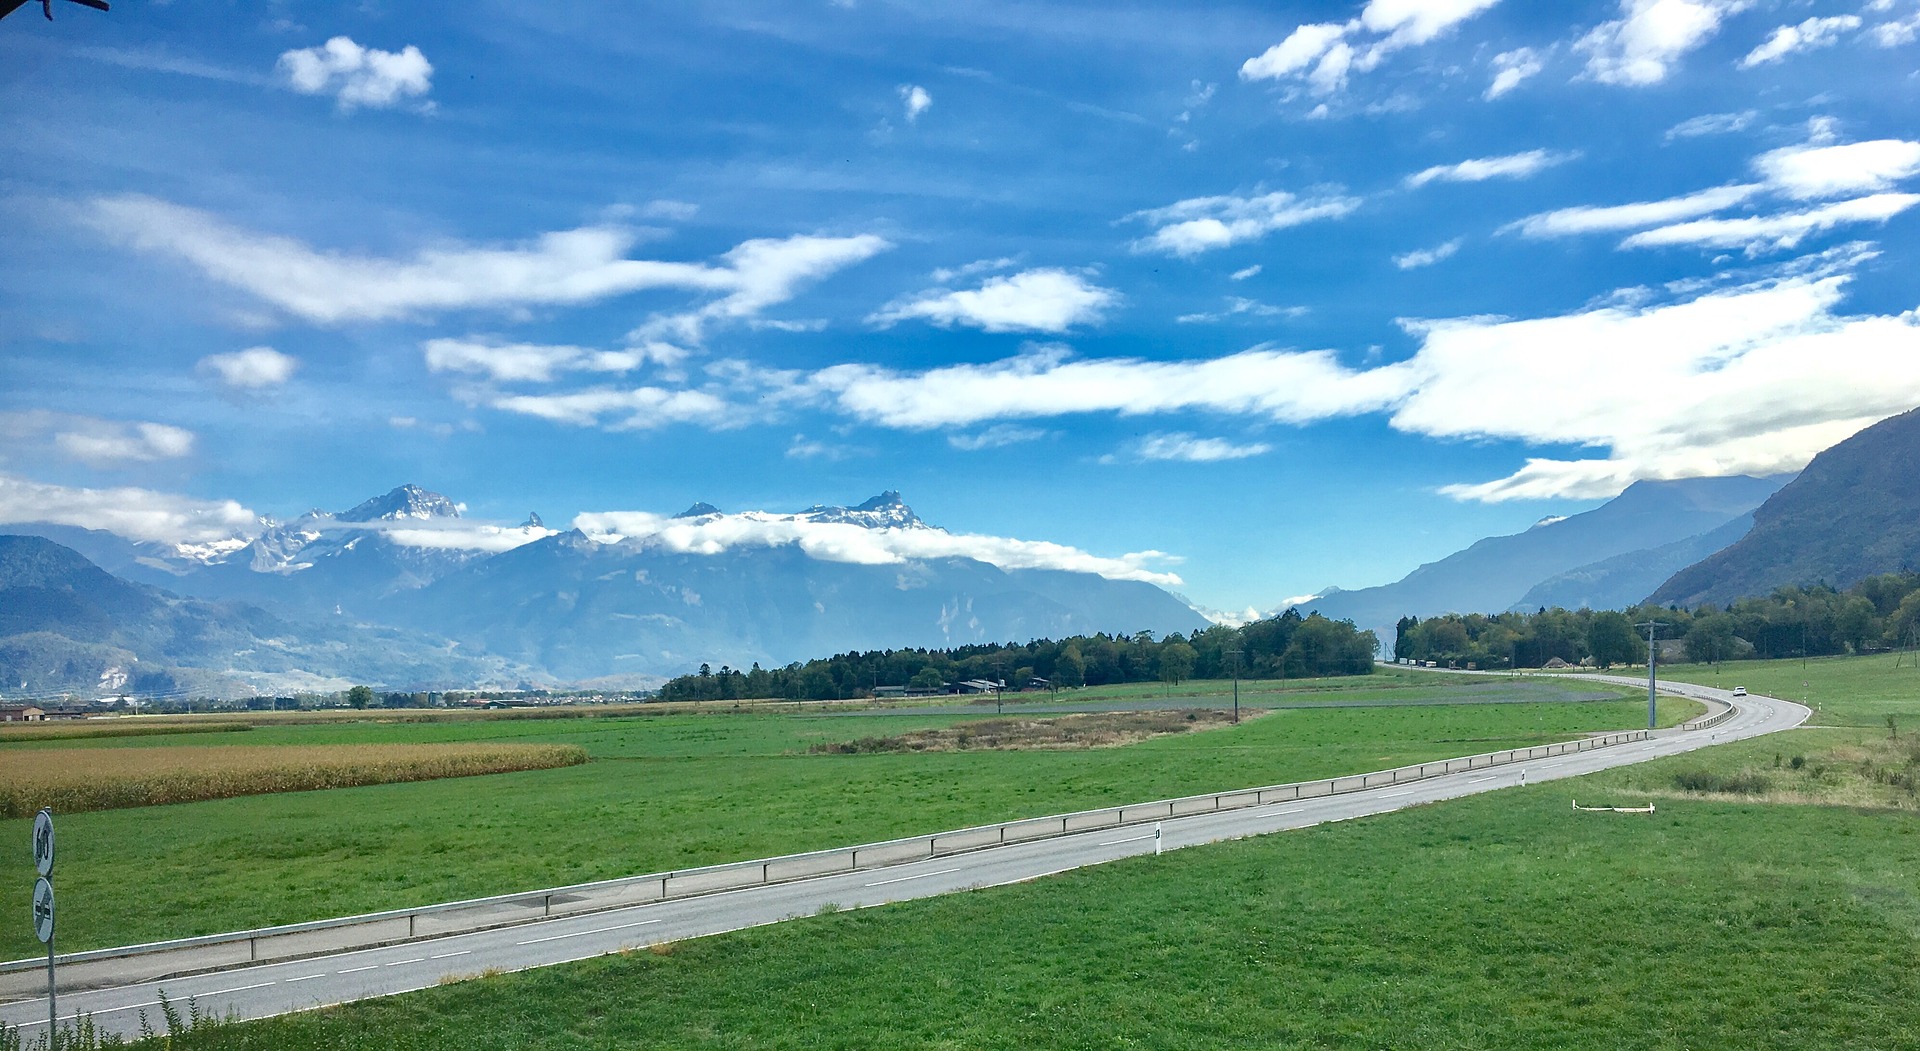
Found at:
(1779, 231)
(1650, 36)
(997, 436)
(841, 542)
(1187, 448)
(1713, 124)
(1048, 299)
(1480, 169)
(1812, 34)
(505, 362)
(1510, 68)
(252, 369)
(1323, 55)
(138, 514)
(564, 268)
(1240, 306)
(101, 443)
(1420, 257)
(1201, 224)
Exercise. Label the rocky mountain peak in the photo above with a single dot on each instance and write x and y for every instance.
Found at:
(699, 510)
(886, 511)
(408, 501)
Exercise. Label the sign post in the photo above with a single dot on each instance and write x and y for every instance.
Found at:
(43, 907)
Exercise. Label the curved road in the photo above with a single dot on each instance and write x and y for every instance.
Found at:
(270, 989)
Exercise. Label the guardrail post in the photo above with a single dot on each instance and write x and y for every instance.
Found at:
(548, 908)
(411, 916)
(253, 950)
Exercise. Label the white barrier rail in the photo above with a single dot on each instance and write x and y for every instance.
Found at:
(96, 967)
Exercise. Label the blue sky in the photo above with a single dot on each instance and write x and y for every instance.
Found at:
(1263, 297)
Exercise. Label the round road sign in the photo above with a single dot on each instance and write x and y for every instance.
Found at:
(43, 842)
(43, 910)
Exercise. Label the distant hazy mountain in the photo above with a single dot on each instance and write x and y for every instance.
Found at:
(1854, 512)
(754, 587)
(1498, 573)
(1624, 580)
(583, 608)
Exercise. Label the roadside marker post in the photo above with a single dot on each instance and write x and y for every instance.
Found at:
(1156, 839)
(43, 906)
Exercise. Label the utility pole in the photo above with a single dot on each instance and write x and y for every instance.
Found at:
(1653, 658)
(1235, 654)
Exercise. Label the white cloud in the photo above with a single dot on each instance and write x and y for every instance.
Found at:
(1186, 448)
(1753, 380)
(532, 362)
(90, 440)
(358, 76)
(1807, 36)
(252, 369)
(1772, 232)
(1510, 166)
(1420, 257)
(639, 408)
(1238, 306)
(1712, 124)
(1899, 32)
(138, 514)
(460, 536)
(562, 268)
(1512, 67)
(997, 436)
(1201, 224)
(1590, 219)
(1324, 54)
(117, 444)
(1284, 386)
(916, 100)
(1807, 172)
(1650, 36)
(1829, 171)
(945, 274)
(1048, 299)
(842, 542)
(1244, 272)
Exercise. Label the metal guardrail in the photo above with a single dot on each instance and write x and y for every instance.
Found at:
(294, 940)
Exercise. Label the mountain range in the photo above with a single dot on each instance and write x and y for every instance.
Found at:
(1854, 512)
(1606, 558)
(489, 604)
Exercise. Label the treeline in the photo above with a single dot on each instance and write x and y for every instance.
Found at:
(1878, 613)
(1287, 646)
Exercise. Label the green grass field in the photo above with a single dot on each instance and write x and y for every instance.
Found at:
(1848, 691)
(1502, 921)
(681, 790)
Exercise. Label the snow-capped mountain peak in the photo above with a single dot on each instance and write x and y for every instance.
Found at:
(408, 501)
(886, 511)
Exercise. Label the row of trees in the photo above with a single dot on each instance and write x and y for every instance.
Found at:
(1878, 613)
(1287, 646)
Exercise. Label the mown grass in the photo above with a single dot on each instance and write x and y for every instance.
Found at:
(1844, 691)
(662, 793)
(1495, 922)
(71, 780)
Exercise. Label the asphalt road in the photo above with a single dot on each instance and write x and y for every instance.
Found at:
(260, 991)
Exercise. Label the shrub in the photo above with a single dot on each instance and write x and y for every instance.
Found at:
(1745, 783)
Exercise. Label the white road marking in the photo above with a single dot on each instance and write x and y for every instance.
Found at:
(1295, 810)
(1477, 780)
(235, 989)
(1029, 879)
(1117, 842)
(306, 978)
(1390, 795)
(903, 879)
(450, 955)
(582, 934)
(399, 963)
(354, 970)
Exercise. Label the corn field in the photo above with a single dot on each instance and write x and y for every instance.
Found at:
(76, 779)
